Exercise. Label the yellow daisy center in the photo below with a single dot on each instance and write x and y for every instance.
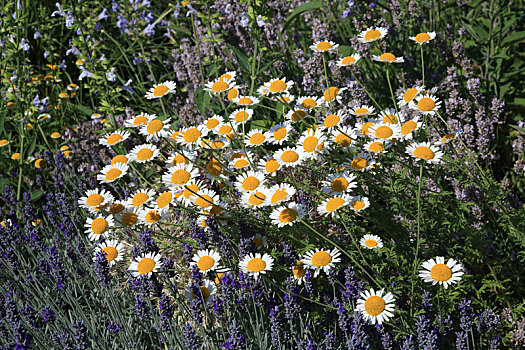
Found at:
(407, 127)
(204, 201)
(258, 241)
(99, 225)
(441, 272)
(256, 265)
(205, 292)
(409, 94)
(212, 123)
(298, 115)
(358, 205)
(321, 258)
(372, 35)
(113, 174)
(331, 93)
(180, 177)
(111, 253)
(426, 104)
(160, 90)
(361, 111)
(289, 156)
(192, 135)
(257, 198)
(339, 184)
(250, 183)
(288, 215)
(422, 37)
(359, 163)
(374, 305)
(114, 138)
(279, 195)
(343, 140)
(129, 219)
(310, 143)
(390, 119)
(55, 135)
(257, 138)
(371, 243)
(39, 163)
(205, 263)
(271, 166)
(139, 199)
(232, 94)
(145, 265)
(245, 101)
(323, 46)
(116, 208)
(424, 152)
(241, 116)
(219, 86)
(376, 147)
(214, 167)
(384, 132)
(387, 57)
(144, 154)
(279, 134)
(154, 126)
(365, 127)
(178, 159)
(308, 103)
(278, 86)
(140, 120)
(348, 60)
(94, 199)
(448, 137)
(334, 204)
(225, 129)
(119, 159)
(241, 163)
(331, 120)
(299, 270)
(152, 216)
(190, 190)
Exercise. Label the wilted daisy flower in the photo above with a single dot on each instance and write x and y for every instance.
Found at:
(241, 115)
(246, 100)
(145, 264)
(192, 135)
(256, 264)
(343, 137)
(95, 199)
(207, 260)
(385, 131)
(299, 272)
(129, 217)
(289, 156)
(207, 291)
(179, 175)
(116, 208)
(447, 138)
(140, 198)
(436, 271)
(371, 242)
(269, 165)
(324, 46)
(375, 146)
(348, 60)
(362, 162)
(255, 199)
(259, 241)
(219, 85)
(162, 89)
(362, 111)
(424, 37)
(426, 104)
(213, 122)
(279, 133)
(374, 307)
(287, 214)
(296, 115)
(409, 94)
(255, 138)
(155, 129)
(275, 86)
(279, 193)
(424, 151)
(332, 120)
(114, 251)
(98, 227)
(371, 34)
(333, 93)
(143, 153)
(312, 143)
(113, 172)
(339, 183)
(388, 58)
(149, 216)
(408, 127)
(334, 203)
(320, 259)
(309, 102)
(139, 120)
(249, 182)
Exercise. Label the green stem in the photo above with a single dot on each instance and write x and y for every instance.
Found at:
(362, 87)
(391, 91)
(414, 269)
(422, 65)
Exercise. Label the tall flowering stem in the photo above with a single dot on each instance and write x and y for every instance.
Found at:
(414, 270)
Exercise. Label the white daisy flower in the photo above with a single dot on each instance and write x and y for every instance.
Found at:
(275, 86)
(155, 129)
(139, 120)
(269, 165)
(339, 183)
(426, 104)
(279, 193)
(331, 205)
(385, 131)
(375, 146)
(348, 60)
(113, 249)
(98, 227)
(374, 307)
(371, 242)
(333, 93)
(408, 128)
(256, 199)
(207, 291)
(332, 121)
(149, 216)
(436, 271)
(289, 156)
(343, 137)
(424, 37)
(324, 46)
(309, 102)
(192, 136)
(219, 85)
(371, 34)
(145, 264)
(207, 260)
(362, 162)
(363, 128)
(321, 259)
(296, 115)
(178, 176)
(298, 272)
(241, 115)
(160, 90)
(213, 122)
(388, 57)
(279, 133)
(312, 143)
(95, 199)
(256, 138)
(114, 138)
(245, 100)
(409, 94)
(287, 214)
(250, 181)
(389, 116)
(140, 198)
(256, 264)
(143, 153)
(362, 111)
(425, 151)
(113, 172)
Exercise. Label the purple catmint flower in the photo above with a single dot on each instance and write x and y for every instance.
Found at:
(191, 340)
(101, 267)
(37, 35)
(166, 310)
(245, 21)
(85, 74)
(236, 340)
(149, 30)
(80, 336)
(24, 45)
(141, 309)
(110, 76)
(59, 11)
(74, 50)
(48, 314)
(103, 16)
(113, 326)
(127, 87)
(260, 21)
(69, 19)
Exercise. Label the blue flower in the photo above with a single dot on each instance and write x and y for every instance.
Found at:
(260, 21)
(70, 19)
(245, 21)
(111, 75)
(24, 45)
(103, 15)
(85, 73)
(127, 87)
(59, 12)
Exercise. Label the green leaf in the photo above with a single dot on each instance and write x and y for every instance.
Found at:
(314, 5)
(345, 50)
(2, 120)
(31, 147)
(513, 37)
(36, 194)
(148, 173)
(243, 60)
(84, 109)
(202, 99)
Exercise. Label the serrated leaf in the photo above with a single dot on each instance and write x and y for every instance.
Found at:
(314, 5)
(513, 37)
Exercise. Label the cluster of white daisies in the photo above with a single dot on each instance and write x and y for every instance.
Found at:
(248, 164)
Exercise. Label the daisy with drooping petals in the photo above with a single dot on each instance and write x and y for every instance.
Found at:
(424, 37)
(95, 199)
(143, 153)
(385, 131)
(155, 129)
(388, 57)
(311, 143)
(408, 128)
(255, 199)
(362, 111)
(259, 241)
(129, 217)
(371, 34)
(371, 242)
(113, 138)
(241, 115)
(333, 204)
(179, 175)
(113, 172)
(207, 291)
(324, 46)
(409, 94)
(269, 165)
(250, 181)
(343, 137)
(256, 264)
(279, 133)
(279, 193)
(436, 271)
(362, 162)
(219, 86)
(424, 151)
(206, 260)
(321, 259)
(150, 216)
(145, 264)
(160, 90)
(139, 120)
(213, 122)
(359, 203)
(332, 120)
(426, 104)
(333, 94)
(448, 138)
(113, 249)
(374, 307)
(140, 198)
(289, 157)
(287, 214)
(275, 86)
(299, 272)
(309, 102)
(389, 116)
(296, 115)
(255, 138)
(348, 60)
(246, 100)
(98, 227)
(339, 183)
(376, 146)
